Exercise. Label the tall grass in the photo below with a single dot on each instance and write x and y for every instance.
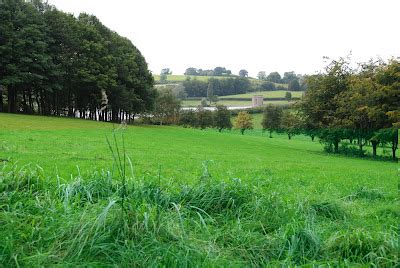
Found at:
(111, 218)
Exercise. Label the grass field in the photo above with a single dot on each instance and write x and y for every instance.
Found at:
(191, 198)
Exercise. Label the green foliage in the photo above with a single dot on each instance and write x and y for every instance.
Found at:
(167, 107)
(204, 118)
(362, 105)
(294, 85)
(288, 96)
(274, 77)
(56, 64)
(222, 118)
(269, 86)
(188, 118)
(261, 75)
(272, 117)
(243, 121)
(290, 123)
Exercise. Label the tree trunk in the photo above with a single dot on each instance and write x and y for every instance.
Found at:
(374, 146)
(1, 101)
(11, 99)
(336, 146)
(312, 137)
(395, 143)
(289, 136)
(270, 134)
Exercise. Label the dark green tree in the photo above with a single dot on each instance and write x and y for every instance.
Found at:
(272, 117)
(222, 118)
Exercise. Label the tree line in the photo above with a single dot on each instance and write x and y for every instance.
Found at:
(217, 71)
(52, 63)
(346, 108)
(216, 87)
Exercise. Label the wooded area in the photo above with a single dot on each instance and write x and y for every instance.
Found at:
(52, 63)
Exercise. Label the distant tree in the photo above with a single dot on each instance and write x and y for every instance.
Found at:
(191, 71)
(243, 73)
(188, 118)
(294, 85)
(210, 91)
(291, 124)
(280, 87)
(167, 107)
(204, 118)
(166, 71)
(163, 78)
(288, 77)
(261, 75)
(269, 86)
(179, 91)
(204, 102)
(288, 96)
(272, 119)
(243, 121)
(219, 71)
(222, 118)
(274, 77)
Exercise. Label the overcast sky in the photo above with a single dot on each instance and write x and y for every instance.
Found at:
(268, 35)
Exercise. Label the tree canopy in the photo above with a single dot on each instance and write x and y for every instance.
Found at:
(363, 104)
(52, 63)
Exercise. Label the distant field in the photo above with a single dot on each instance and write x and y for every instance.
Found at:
(266, 94)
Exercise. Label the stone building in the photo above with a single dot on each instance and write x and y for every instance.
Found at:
(257, 100)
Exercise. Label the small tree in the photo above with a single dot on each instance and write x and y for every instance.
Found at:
(203, 102)
(204, 118)
(294, 85)
(222, 118)
(188, 119)
(167, 106)
(243, 73)
(163, 78)
(290, 124)
(261, 75)
(210, 91)
(288, 96)
(243, 121)
(272, 118)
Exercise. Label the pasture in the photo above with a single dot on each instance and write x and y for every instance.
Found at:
(189, 198)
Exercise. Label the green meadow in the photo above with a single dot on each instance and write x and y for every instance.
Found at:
(187, 197)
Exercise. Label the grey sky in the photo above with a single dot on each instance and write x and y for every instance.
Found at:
(256, 35)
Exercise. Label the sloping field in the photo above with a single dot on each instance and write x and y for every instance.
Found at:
(190, 198)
